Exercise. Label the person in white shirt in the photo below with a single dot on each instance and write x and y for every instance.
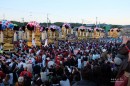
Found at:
(38, 52)
(64, 81)
(44, 74)
(34, 42)
(33, 60)
(29, 66)
(44, 60)
(46, 43)
(79, 63)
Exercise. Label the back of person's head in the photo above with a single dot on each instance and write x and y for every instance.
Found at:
(46, 83)
(23, 61)
(86, 73)
(64, 77)
(96, 71)
(25, 68)
(43, 69)
(55, 80)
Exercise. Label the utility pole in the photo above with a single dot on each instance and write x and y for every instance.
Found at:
(82, 22)
(30, 16)
(47, 20)
(23, 21)
(99, 24)
(96, 21)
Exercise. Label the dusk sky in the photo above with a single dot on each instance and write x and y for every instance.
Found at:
(106, 11)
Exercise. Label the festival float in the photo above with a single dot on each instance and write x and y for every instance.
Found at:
(33, 31)
(102, 33)
(21, 33)
(16, 36)
(110, 32)
(53, 33)
(119, 31)
(82, 32)
(7, 34)
(97, 32)
(89, 33)
(43, 33)
(114, 32)
(66, 29)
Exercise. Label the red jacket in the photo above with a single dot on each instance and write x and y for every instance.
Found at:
(26, 72)
(2, 75)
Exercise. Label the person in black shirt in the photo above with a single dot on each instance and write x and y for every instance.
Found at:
(36, 69)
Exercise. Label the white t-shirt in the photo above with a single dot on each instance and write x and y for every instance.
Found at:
(44, 76)
(37, 53)
(65, 83)
(33, 42)
(79, 63)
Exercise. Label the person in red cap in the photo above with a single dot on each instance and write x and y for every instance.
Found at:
(25, 72)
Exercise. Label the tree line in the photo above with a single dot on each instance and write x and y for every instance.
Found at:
(72, 24)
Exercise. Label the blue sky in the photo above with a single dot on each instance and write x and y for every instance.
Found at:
(106, 11)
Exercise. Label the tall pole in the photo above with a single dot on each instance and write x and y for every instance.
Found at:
(23, 21)
(30, 16)
(99, 24)
(96, 21)
(47, 20)
(82, 22)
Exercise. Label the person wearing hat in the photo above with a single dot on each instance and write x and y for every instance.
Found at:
(20, 81)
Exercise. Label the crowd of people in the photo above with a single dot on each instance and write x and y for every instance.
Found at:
(92, 62)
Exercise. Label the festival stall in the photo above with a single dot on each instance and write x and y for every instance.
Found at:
(66, 29)
(33, 31)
